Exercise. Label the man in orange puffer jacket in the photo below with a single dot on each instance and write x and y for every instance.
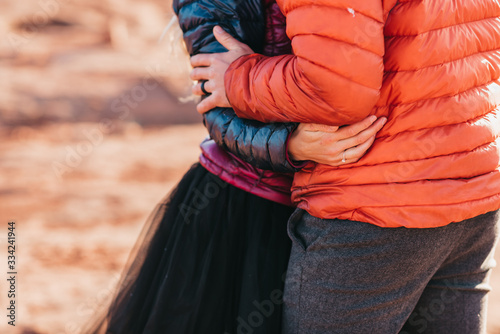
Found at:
(374, 248)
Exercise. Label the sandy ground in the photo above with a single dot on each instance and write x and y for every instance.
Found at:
(94, 131)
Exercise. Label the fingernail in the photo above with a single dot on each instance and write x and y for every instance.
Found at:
(373, 118)
(218, 30)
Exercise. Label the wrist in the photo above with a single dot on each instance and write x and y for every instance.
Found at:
(293, 154)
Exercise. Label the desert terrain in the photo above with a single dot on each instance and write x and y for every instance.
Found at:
(96, 127)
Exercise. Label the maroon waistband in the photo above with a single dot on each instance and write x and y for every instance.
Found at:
(231, 169)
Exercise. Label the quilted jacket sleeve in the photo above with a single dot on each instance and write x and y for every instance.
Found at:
(262, 145)
(334, 75)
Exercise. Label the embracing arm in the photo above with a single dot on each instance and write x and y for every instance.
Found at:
(334, 76)
(262, 145)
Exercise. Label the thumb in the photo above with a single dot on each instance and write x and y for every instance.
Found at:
(228, 41)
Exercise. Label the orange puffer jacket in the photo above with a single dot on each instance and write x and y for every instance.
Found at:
(432, 67)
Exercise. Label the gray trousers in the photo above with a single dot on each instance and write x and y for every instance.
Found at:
(352, 277)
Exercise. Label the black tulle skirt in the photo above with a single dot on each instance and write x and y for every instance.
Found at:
(211, 259)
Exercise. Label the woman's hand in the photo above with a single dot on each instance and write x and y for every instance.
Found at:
(333, 145)
(212, 67)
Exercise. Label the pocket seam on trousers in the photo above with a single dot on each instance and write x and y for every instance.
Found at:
(291, 226)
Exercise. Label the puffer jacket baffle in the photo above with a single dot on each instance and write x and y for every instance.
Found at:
(432, 67)
(248, 154)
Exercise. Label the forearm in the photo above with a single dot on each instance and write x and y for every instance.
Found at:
(334, 76)
(262, 145)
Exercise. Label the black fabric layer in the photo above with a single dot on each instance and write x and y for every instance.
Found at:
(211, 259)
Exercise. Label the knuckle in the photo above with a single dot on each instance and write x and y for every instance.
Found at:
(333, 152)
(327, 143)
(349, 132)
(358, 140)
(194, 60)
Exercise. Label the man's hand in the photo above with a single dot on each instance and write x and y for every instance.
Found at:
(332, 145)
(212, 67)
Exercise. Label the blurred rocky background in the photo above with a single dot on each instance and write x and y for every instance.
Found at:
(82, 61)
(96, 127)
